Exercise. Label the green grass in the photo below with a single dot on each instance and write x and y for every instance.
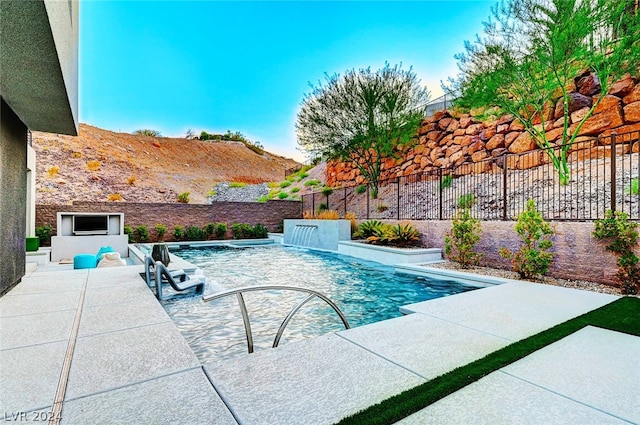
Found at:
(285, 183)
(623, 315)
(237, 184)
(312, 182)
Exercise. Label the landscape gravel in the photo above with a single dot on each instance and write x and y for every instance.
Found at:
(547, 280)
(249, 193)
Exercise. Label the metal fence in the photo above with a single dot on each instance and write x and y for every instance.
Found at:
(604, 175)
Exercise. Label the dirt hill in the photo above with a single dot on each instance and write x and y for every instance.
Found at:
(101, 165)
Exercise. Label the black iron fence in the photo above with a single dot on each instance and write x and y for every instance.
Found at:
(604, 175)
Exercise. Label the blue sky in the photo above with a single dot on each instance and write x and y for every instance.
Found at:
(245, 66)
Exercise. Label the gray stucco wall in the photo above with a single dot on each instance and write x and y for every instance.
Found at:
(13, 194)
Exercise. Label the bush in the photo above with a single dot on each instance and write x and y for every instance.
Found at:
(621, 237)
(460, 241)
(400, 235)
(44, 233)
(147, 132)
(533, 258)
(466, 201)
(241, 231)
(93, 165)
(210, 229)
(312, 182)
(273, 185)
(113, 197)
(221, 230)
(367, 228)
(354, 222)
(128, 230)
(194, 233)
(327, 191)
(295, 190)
(321, 215)
(53, 171)
(361, 189)
(284, 184)
(282, 195)
(633, 188)
(303, 176)
(183, 198)
(447, 181)
(142, 233)
(178, 232)
(260, 231)
(161, 230)
(235, 185)
(131, 180)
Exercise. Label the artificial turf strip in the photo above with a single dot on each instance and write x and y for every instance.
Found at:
(622, 315)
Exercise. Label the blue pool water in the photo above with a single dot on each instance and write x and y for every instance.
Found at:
(366, 292)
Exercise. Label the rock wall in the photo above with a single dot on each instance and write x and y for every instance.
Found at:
(271, 214)
(463, 143)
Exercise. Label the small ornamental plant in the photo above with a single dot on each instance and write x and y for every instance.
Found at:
(622, 237)
(534, 258)
(460, 241)
(128, 230)
(183, 198)
(142, 233)
(178, 232)
(161, 230)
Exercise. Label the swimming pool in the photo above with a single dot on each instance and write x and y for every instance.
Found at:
(366, 292)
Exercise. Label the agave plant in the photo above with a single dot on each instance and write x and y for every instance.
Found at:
(368, 228)
(404, 235)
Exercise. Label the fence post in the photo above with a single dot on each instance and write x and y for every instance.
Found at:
(398, 196)
(313, 202)
(613, 172)
(504, 188)
(367, 201)
(440, 189)
(345, 201)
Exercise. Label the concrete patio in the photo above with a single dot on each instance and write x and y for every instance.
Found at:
(97, 344)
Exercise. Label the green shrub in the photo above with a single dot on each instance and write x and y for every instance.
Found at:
(44, 233)
(400, 235)
(323, 206)
(466, 201)
(210, 229)
(128, 230)
(303, 176)
(447, 181)
(312, 182)
(361, 189)
(235, 185)
(241, 231)
(142, 233)
(460, 241)
(263, 199)
(183, 198)
(273, 185)
(533, 258)
(367, 228)
(282, 195)
(622, 237)
(161, 230)
(284, 184)
(633, 188)
(178, 232)
(327, 191)
(221, 230)
(194, 233)
(295, 190)
(260, 231)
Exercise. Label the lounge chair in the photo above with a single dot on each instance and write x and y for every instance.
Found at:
(180, 283)
(150, 272)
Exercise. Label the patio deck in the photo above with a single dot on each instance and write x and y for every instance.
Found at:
(97, 345)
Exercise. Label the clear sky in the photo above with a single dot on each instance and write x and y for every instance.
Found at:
(244, 65)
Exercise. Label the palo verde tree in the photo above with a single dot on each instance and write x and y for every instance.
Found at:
(362, 117)
(530, 54)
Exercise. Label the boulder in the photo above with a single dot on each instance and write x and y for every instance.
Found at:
(634, 96)
(578, 115)
(509, 138)
(425, 162)
(436, 153)
(447, 140)
(488, 133)
(607, 102)
(463, 140)
(502, 128)
(498, 152)
(588, 85)
(497, 141)
(554, 134)
(465, 121)
(441, 162)
(459, 132)
(453, 125)
(523, 143)
(435, 135)
(451, 150)
(600, 122)
(632, 112)
(474, 128)
(622, 87)
(479, 156)
(458, 157)
(578, 101)
(476, 147)
(444, 123)
(622, 130)
(516, 125)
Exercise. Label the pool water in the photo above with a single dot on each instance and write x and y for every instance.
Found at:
(366, 292)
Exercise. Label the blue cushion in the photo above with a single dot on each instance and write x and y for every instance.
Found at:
(101, 251)
(84, 261)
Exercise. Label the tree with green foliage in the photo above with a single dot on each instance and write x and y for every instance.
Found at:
(460, 241)
(362, 117)
(532, 51)
(147, 132)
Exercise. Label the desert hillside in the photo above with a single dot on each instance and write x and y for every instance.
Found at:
(101, 165)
